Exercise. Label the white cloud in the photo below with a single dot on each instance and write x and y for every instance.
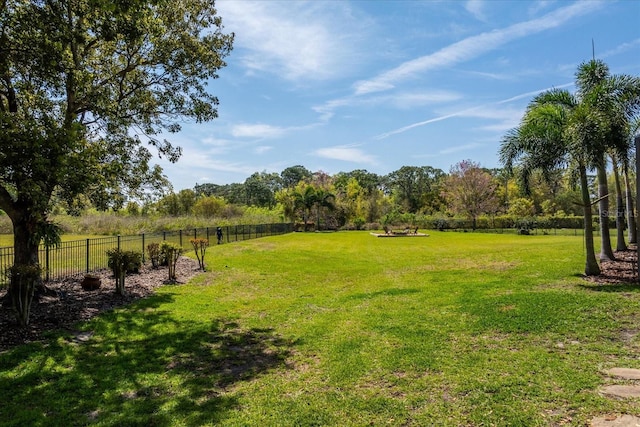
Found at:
(347, 154)
(257, 131)
(476, 8)
(295, 40)
(473, 47)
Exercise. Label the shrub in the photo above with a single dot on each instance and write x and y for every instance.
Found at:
(169, 253)
(153, 249)
(200, 247)
(122, 262)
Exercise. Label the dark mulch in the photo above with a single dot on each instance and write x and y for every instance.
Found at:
(622, 271)
(69, 303)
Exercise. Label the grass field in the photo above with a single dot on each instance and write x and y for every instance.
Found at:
(346, 329)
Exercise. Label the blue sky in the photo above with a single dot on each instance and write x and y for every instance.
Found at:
(377, 85)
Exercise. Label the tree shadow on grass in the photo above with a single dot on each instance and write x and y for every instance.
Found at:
(612, 287)
(142, 366)
(392, 292)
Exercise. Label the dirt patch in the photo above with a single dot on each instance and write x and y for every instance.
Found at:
(70, 304)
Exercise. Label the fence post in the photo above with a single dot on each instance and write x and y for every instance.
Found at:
(88, 247)
(164, 235)
(143, 247)
(46, 262)
(180, 233)
(118, 242)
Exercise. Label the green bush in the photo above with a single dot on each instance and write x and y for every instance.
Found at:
(121, 263)
(153, 249)
(169, 254)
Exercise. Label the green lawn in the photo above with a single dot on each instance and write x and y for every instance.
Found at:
(346, 329)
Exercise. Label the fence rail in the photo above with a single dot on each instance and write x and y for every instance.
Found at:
(84, 256)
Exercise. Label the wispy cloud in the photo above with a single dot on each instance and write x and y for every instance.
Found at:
(473, 47)
(294, 40)
(347, 154)
(476, 8)
(459, 148)
(621, 48)
(400, 100)
(477, 111)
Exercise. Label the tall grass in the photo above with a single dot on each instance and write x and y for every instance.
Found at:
(113, 224)
(345, 329)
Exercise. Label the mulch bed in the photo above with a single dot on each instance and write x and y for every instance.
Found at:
(622, 271)
(70, 304)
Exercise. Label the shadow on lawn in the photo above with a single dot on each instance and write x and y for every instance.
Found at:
(142, 367)
(612, 287)
(392, 292)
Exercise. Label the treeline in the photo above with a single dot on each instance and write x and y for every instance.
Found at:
(420, 195)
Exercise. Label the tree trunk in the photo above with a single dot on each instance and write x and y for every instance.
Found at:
(25, 274)
(591, 267)
(606, 253)
(632, 229)
(620, 244)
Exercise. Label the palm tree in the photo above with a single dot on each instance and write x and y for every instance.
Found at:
(547, 140)
(305, 199)
(612, 101)
(631, 219)
(324, 199)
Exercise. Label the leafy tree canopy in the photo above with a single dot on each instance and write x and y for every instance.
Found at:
(84, 84)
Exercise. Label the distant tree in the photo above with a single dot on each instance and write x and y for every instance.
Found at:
(83, 86)
(260, 189)
(305, 198)
(368, 181)
(521, 208)
(209, 207)
(169, 205)
(416, 188)
(470, 191)
(177, 204)
(291, 176)
(187, 199)
(232, 193)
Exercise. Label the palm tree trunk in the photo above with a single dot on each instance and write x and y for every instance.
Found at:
(591, 267)
(632, 230)
(620, 244)
(606, 253)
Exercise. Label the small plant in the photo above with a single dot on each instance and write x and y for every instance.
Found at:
(200, 247)
(122, 262)
(170, 252)
(153, 249)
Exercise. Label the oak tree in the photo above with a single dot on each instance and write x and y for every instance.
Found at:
(87, 88)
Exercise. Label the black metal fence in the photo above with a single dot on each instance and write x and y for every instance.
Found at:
(83, 256)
